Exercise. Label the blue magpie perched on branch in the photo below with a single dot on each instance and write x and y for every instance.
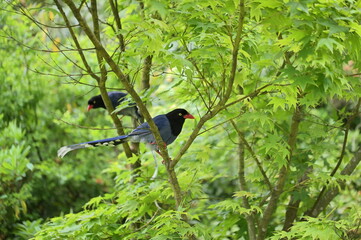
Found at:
(169, 125)
(116, 98)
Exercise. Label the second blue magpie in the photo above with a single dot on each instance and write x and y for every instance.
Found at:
(116, 98)
(169, 125)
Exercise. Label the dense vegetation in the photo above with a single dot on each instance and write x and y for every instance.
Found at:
(274, 150)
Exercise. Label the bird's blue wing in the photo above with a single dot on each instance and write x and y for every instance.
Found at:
(144, 134)
(116, 98)
(165, 130)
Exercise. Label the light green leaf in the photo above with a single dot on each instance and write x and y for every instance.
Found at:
(329, 43)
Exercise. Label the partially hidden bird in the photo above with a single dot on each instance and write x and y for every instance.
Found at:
(116, 98)
(169, 125)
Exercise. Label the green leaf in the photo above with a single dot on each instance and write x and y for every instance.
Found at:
(355, 27)
(30, 166)
(243, 194)
(329, 43)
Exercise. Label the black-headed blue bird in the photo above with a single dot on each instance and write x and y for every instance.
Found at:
(169, 125)
(116, 98)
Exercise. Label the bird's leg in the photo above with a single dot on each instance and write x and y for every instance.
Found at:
(155, 174)
(157, 151)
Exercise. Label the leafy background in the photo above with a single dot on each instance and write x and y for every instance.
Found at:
(297, 65)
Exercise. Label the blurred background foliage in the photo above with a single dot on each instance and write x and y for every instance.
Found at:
(87, 195)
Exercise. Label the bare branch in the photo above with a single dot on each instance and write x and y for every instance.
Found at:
(114, 7)
(45, 50)
(147, 64)
(86, 127)
(75, 39)
(219, 124)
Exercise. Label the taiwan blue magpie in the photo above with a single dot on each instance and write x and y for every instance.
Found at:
(169, 125)
(116, 98)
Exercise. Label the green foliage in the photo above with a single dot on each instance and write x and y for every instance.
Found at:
(305, 55)
(35, 185)
(315, 228)
(14, 168)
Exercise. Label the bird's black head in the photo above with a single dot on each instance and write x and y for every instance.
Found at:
(176, 119)
(96, 102)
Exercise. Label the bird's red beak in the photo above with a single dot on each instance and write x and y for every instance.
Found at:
(190, 116)
(90, 107)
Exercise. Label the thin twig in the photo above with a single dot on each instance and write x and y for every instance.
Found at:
(86, 127)
(253, 154)
(150, 220)
(342, 154)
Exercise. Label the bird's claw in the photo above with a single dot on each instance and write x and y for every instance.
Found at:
(163, 161)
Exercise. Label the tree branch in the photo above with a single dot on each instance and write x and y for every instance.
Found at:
(235, 52)
(147, 64)
(129, 88)
(250, 218)
(282, 175)
(293, 205)
(254, 156)
(75, 39)
(333, 192)
(56, 43)
(222, 103)
(114, 7)
(102, 80)
(343, 151)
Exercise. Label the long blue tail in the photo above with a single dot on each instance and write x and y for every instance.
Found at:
(103, 142)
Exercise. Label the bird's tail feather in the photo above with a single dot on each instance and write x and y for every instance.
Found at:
(103, 142)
